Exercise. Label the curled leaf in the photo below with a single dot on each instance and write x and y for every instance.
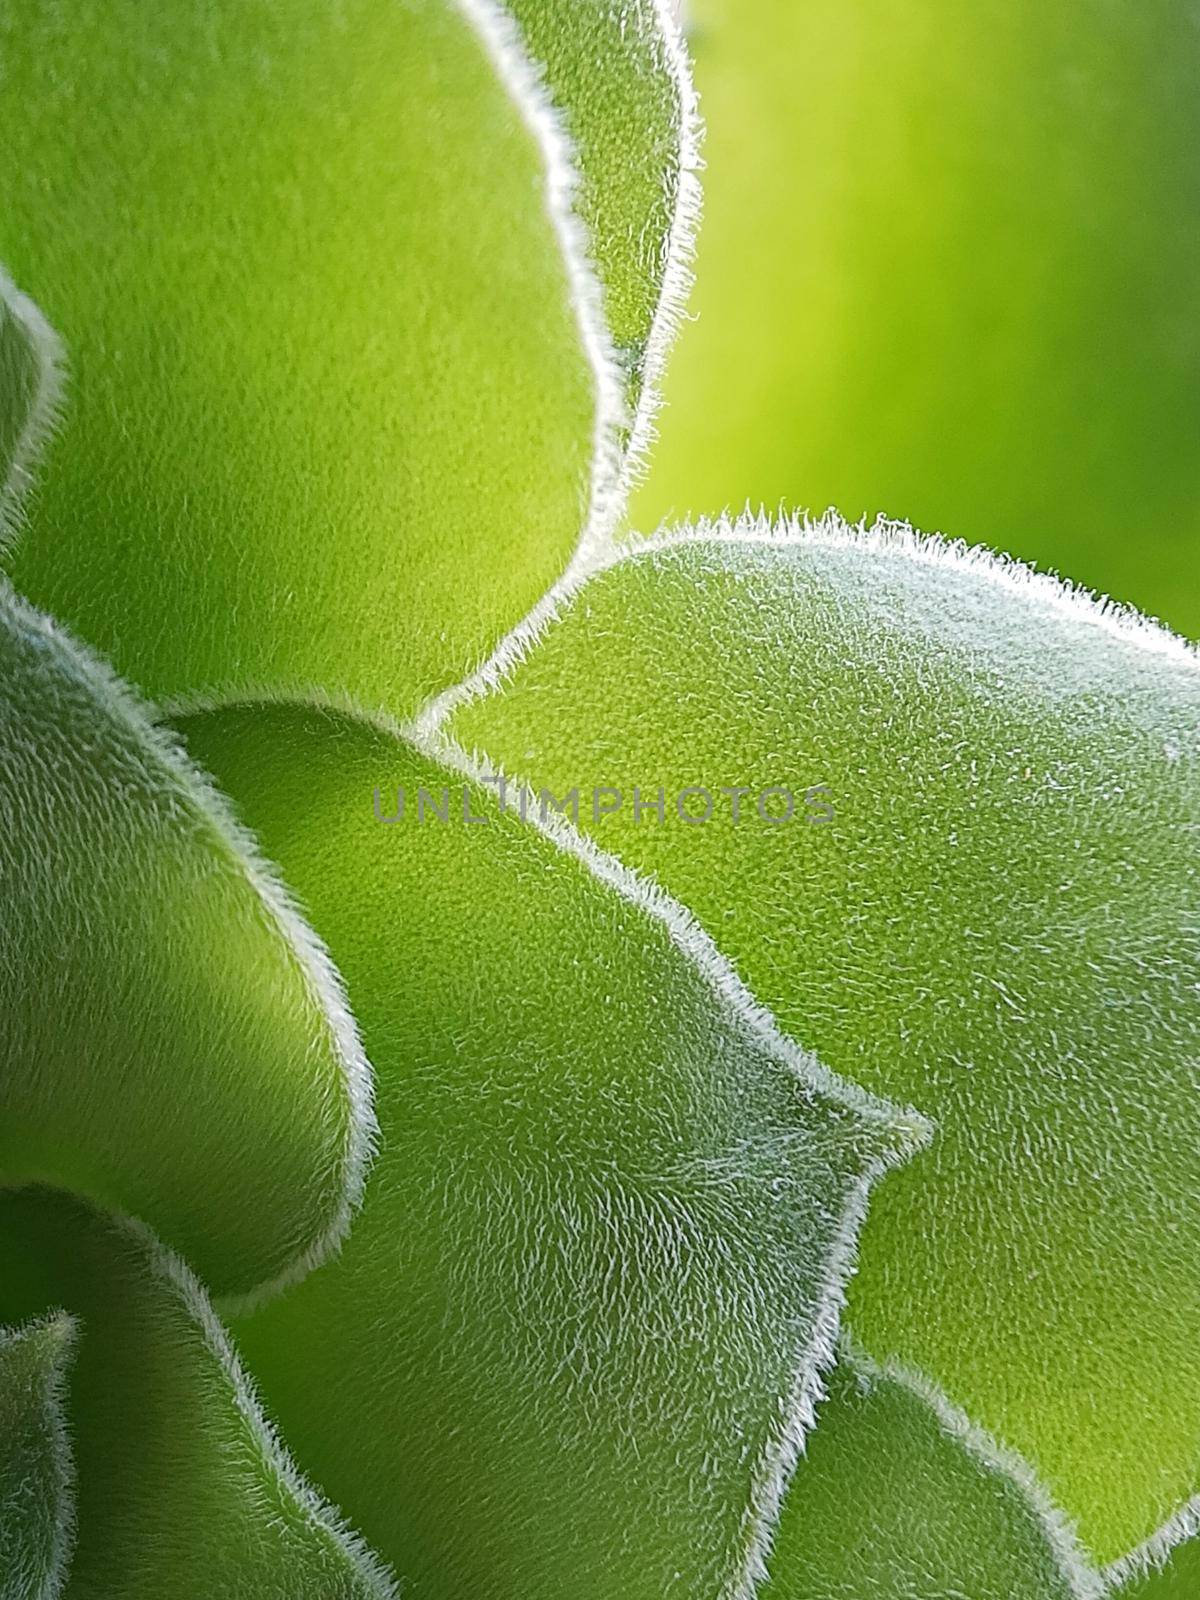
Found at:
(173, 1039)
(29, 385)
(37, 1516)
(334, 404)
(898, 1496)
(182, 1487)
(965, 875)
(619, 78)
(570, 1344)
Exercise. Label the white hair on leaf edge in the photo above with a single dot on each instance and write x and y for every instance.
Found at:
(321, 978)
(681, 249)
(615, 471)
(886, 538)
(910, 1131)
(174, 1271)
(1083, 1581)
(54, 1397)
(44, 412)
(520, 76)
(1155, 1552)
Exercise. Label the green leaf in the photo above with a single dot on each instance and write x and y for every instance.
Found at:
(998, 925)
(183, 1490)
(173, 1041)
(1178, 1578)
(569, 1345)
(947, 272)
(333, 412)
(897, 1496)
(618, 76)
(29, 382)
(36, 1470)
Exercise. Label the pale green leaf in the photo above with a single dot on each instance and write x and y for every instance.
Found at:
(616, 73)
(332, 413)
(173, 1041)
(569, 1344)
(948, 272)
(29, 382)
(998, 925)
(897, 1497)
(182, 1489)
(36, 1469)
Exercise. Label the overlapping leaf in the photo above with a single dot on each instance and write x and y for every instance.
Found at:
(1177, 1578)
(173, 1041)
(947, 272)
(182, 1490)
(999, 925)
(36, 1511)
(29, 381)
(332, 413)
(897, 1497)
(616, 74)
(568, 1345)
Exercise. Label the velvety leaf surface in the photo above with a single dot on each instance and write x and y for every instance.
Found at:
(1000, 925)
(173, 1041)
(947, 272)
(36, 1510)
(331, 418)
(182, 1491)
(895, 1500)
(614, 71)
(28, 384)
(566, 1348)
(1179, 1579)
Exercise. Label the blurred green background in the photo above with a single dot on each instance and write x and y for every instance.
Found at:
(949, 270)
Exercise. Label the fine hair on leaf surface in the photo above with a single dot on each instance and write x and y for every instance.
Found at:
(366, 400)
(780, 1203)
(37, 1469)
(227, 1099)
(183, 1487)
(31, 382)
(591, 1162)
(998, 927)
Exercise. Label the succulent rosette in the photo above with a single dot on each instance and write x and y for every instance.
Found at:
(548, 1051)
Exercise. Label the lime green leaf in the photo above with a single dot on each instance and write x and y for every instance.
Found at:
(333, 412)
(898, 1496)
(569, 1344)
(173, 1041)
(182, 1488)
(36, 1470)
(986, 906)
(948, 271)
(29, 383)
(620, 79)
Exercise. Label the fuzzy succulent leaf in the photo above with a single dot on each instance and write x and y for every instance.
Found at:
(568, 1345)
(947, 272)
(614, 69)
(1178, 1577)
(897, 1497)
(332, 413)
(999, 926)
(181, 1487)
(29, 379)
(36, 1470)
(173, 1041)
